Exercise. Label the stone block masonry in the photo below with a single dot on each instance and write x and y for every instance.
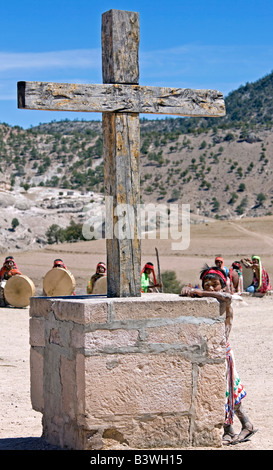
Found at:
(145, 372)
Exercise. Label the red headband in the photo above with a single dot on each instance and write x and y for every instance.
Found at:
(236, 265)
(102, 265)
(150, 266)
(214, 271)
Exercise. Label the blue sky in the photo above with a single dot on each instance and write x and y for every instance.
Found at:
(183, 43)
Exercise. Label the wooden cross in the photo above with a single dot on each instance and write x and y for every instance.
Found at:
(120, 100)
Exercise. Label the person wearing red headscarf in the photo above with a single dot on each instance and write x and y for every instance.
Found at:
(146, 284)
(214, 282)
(58, 263)
(100, 272)
(219, 262)
(8, 270)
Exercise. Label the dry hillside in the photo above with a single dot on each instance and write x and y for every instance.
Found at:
(52, 174)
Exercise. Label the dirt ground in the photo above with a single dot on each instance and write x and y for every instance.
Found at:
(251, 336)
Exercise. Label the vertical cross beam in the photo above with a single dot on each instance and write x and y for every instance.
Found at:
(121, 142)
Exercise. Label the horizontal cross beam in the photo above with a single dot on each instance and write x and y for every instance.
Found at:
(120, 98)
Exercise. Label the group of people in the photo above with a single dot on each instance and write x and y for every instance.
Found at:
(148, 278)
(260, 281)
(10, 269)
(218, 282)
(234, 275)
(147, 284)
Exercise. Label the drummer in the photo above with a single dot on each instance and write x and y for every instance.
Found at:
(58, 263)
(100, 272)
(8, 269)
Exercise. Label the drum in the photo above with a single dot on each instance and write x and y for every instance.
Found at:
(18, 290)
(247, 277)
(100, 286)
(2, 297)
(58, 281)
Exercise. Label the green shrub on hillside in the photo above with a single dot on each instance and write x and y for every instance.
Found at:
(72, 233)
(170, 284)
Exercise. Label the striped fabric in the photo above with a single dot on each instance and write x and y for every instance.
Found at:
(235, 391)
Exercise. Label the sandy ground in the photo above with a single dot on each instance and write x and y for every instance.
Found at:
(251, 336)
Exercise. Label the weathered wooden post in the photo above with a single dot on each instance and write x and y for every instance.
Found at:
(121, 136)
(121, 99)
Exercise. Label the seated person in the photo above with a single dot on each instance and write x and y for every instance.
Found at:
(100, 272)
(146, 284)
(8, 269)
(236, 278)
(260, 282)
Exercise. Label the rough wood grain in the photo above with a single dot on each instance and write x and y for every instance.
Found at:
(122, 183)
(120, 44)
(120, 98)
(121, 137)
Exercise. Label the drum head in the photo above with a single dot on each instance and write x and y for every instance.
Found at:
(100, 286)
(247, 277)
(18, 291)
(58, 281)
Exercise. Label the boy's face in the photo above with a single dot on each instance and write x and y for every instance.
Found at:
(213, 285)
(218, 263)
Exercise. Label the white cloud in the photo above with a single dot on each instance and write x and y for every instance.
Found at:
(58, 66)
(82, 58)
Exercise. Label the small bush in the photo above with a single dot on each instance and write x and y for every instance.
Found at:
(72, 233)
(170, 284)
(14, 223)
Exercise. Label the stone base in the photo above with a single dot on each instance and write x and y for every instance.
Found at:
(145, 372)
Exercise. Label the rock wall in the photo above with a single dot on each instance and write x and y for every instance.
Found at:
(142, 373)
